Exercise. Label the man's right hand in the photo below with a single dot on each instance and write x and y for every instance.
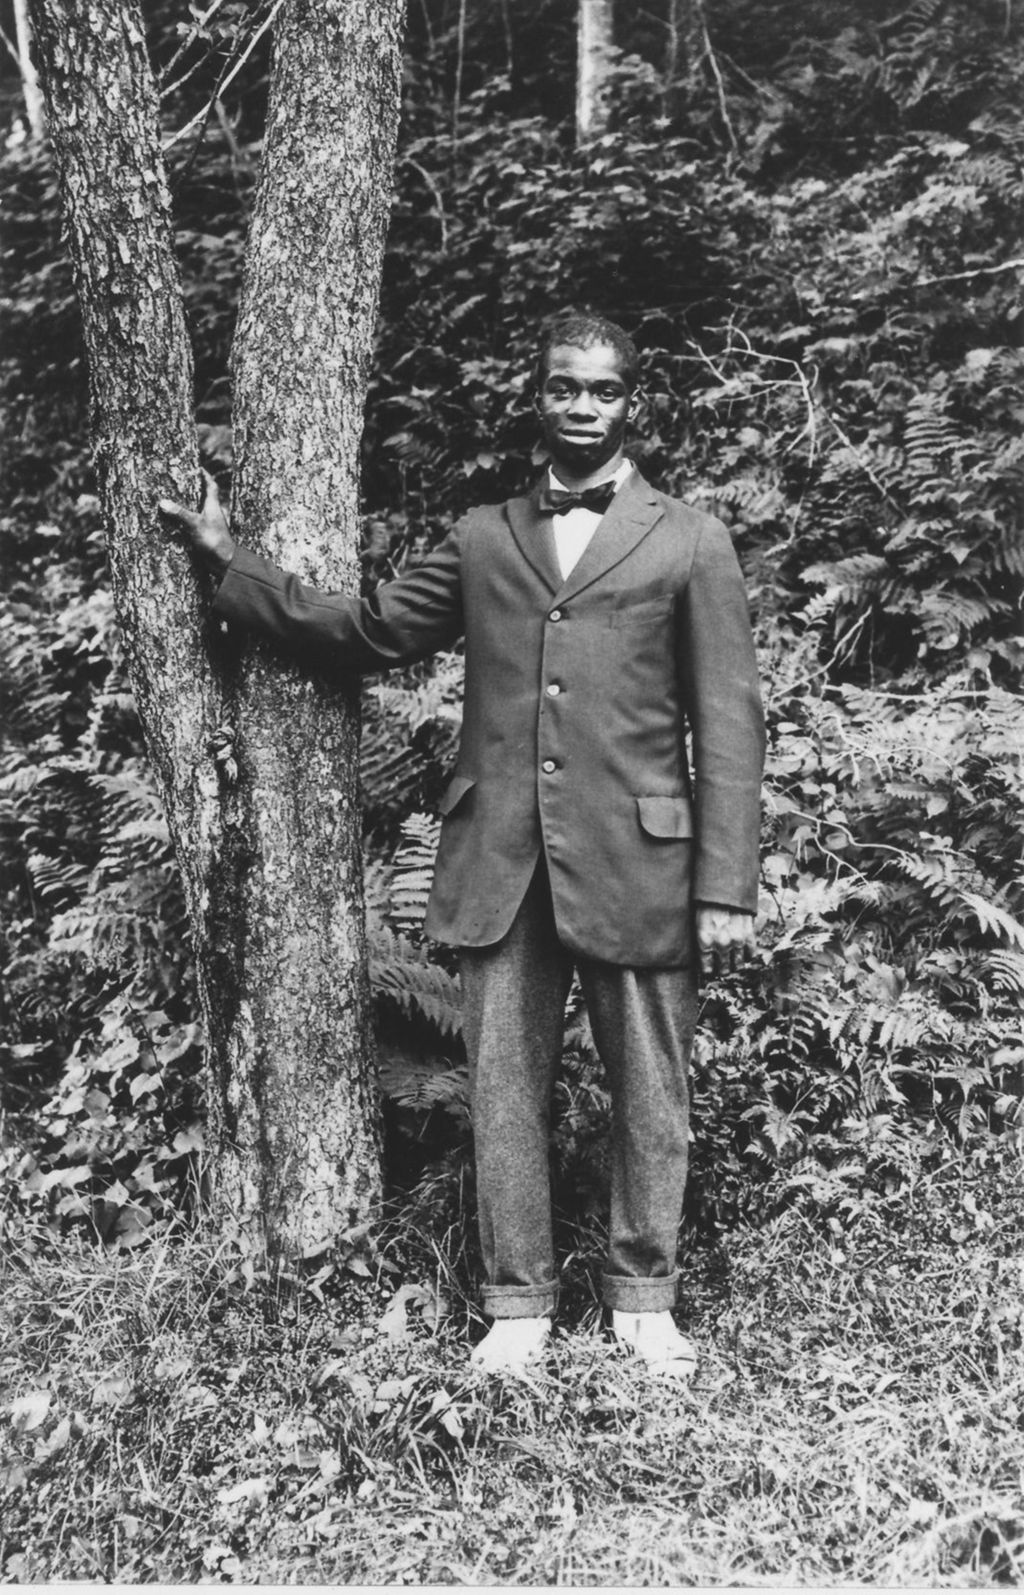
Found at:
(208, 530)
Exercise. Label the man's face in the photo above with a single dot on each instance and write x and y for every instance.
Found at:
(585, 407)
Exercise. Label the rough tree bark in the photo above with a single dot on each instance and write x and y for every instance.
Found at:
(298, 1103)
(595, 44)
(270, 859)
(103, 121)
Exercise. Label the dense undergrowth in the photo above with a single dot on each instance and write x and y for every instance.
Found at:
(817, 264)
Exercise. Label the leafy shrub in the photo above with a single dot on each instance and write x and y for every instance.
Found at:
(892, 1008)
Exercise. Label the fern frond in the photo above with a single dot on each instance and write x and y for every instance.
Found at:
(58, 880)
(403, 973)
(413, 870)
(1004, 971)
(422, 1086)
(848, 577)
(993, 920)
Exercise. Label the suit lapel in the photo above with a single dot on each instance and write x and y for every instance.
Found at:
(630, 516)
(535, 536)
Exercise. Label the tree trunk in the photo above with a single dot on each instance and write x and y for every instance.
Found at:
(31, 92)
(298, 1105)
(103, 124)
(270, 859)
(595, 44)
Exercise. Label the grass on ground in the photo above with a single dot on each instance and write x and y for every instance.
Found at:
(857, 1417)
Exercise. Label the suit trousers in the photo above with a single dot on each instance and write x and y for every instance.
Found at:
(643, 1020)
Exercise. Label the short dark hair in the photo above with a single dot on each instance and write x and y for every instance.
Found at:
(582, 329)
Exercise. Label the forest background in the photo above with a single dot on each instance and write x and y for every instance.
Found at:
(810, 217)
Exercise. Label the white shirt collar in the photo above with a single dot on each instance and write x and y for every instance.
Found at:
(624, 470)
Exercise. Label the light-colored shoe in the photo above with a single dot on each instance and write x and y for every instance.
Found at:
(511, 1345)
(654, 1338)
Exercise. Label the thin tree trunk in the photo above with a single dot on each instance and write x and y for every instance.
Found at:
(595, 43)
(270, 860)
(506, 28)
(31, 92)
(684, 50)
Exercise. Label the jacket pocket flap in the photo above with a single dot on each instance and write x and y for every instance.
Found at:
(670, 817)
(454, 792)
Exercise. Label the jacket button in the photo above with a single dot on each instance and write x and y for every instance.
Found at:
(549, 766)
(556, 614)
(553, 690)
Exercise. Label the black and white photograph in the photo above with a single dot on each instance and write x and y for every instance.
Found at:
(512, 793)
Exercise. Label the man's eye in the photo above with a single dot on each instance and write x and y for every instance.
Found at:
(558, 393)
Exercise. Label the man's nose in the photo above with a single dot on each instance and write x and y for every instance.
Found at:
(582, 404)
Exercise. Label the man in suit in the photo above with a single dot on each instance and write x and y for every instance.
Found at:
(607, 643)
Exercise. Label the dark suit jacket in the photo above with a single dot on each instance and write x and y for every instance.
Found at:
(579, 698)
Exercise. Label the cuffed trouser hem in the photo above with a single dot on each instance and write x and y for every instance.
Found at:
(519, 1301)
(632, 1293)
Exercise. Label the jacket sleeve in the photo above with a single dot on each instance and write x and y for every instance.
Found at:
(718, 674)
(404, 620)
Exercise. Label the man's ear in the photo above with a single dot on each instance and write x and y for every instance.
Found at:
(636, 400)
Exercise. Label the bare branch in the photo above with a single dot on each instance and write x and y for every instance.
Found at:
(459, 63)
(799, 379)
(202, 115)
(858, 455)
(712, 60)
(197, 27)
(10, 47)
(967, 276)
(435, 194)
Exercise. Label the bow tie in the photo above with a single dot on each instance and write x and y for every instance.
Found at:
(559, 501)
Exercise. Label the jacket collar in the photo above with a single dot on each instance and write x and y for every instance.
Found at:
(630, 516)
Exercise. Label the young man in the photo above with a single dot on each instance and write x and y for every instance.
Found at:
(605, 627)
